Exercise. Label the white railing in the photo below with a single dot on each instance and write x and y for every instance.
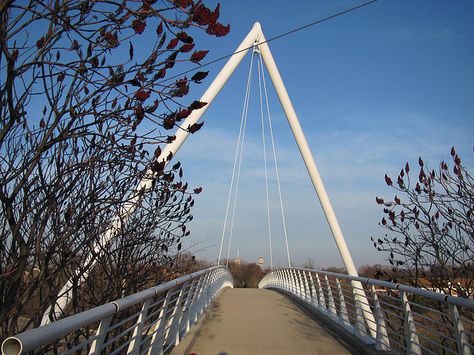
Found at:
(407, 320)
(148, 322)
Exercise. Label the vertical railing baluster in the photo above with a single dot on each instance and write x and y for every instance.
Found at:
(292, 281)
(461, 338)
(359, 321)
(322, 300)
(195, 301)
(413, 343)
(187, 304)
(301, 289)
(331, 304)
(343, 316)
(173, 331)
(134, 346)
(314, 295)
(382, 341)
(359, 325)
(202, 295)
(289, 282)
(158, 338)
(307, 294)
(297, 283)
(102, 330)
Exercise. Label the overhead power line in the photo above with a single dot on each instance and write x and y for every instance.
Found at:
(315, 22)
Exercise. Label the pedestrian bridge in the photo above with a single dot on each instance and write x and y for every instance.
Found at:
(295, 311)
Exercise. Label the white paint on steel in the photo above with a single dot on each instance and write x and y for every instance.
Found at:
(255, 36)
(217, 278)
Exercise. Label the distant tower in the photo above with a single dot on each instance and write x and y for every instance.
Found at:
(237, 261)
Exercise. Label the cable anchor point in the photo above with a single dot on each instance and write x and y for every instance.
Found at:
(256, 49)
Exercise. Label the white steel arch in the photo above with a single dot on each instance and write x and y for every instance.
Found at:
(254, 38)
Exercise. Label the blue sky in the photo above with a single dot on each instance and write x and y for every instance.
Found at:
(373, 89)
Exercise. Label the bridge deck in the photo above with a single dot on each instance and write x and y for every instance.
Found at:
(253, 321)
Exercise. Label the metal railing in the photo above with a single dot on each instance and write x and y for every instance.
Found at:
(406, 320)
(148, 322)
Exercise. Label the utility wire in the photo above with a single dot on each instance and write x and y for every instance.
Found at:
(316, 22)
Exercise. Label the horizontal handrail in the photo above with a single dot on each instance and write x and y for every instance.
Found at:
(391, 316)
(458, 301)
(204, 285)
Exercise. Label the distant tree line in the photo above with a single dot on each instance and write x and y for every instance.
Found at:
(246, 274)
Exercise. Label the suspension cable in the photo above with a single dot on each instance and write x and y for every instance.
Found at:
(264, 155)
(275, 162)
(234, 207)
(235, 172)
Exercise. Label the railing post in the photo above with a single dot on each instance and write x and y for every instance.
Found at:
(284, 280)
(307, 294)
(208, 290)
(413, 343)
(301, 289)
(158, 338)
(134, 346)
(343, 316)
(195, 302)
(277, 276)
(359, 325)
(202, 295)
(322, 301)
(289, 281)
(297, 282)
(292, 281)
(461, 338)
(331, 304)
(186, 306)
(96, 346)
(382, 341)
(359, 322)
(173, 330)
(314, 295)
(291, 286)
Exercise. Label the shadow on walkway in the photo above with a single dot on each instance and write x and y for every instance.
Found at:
(253, 321)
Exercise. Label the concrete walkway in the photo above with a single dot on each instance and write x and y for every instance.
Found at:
(253, 321)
